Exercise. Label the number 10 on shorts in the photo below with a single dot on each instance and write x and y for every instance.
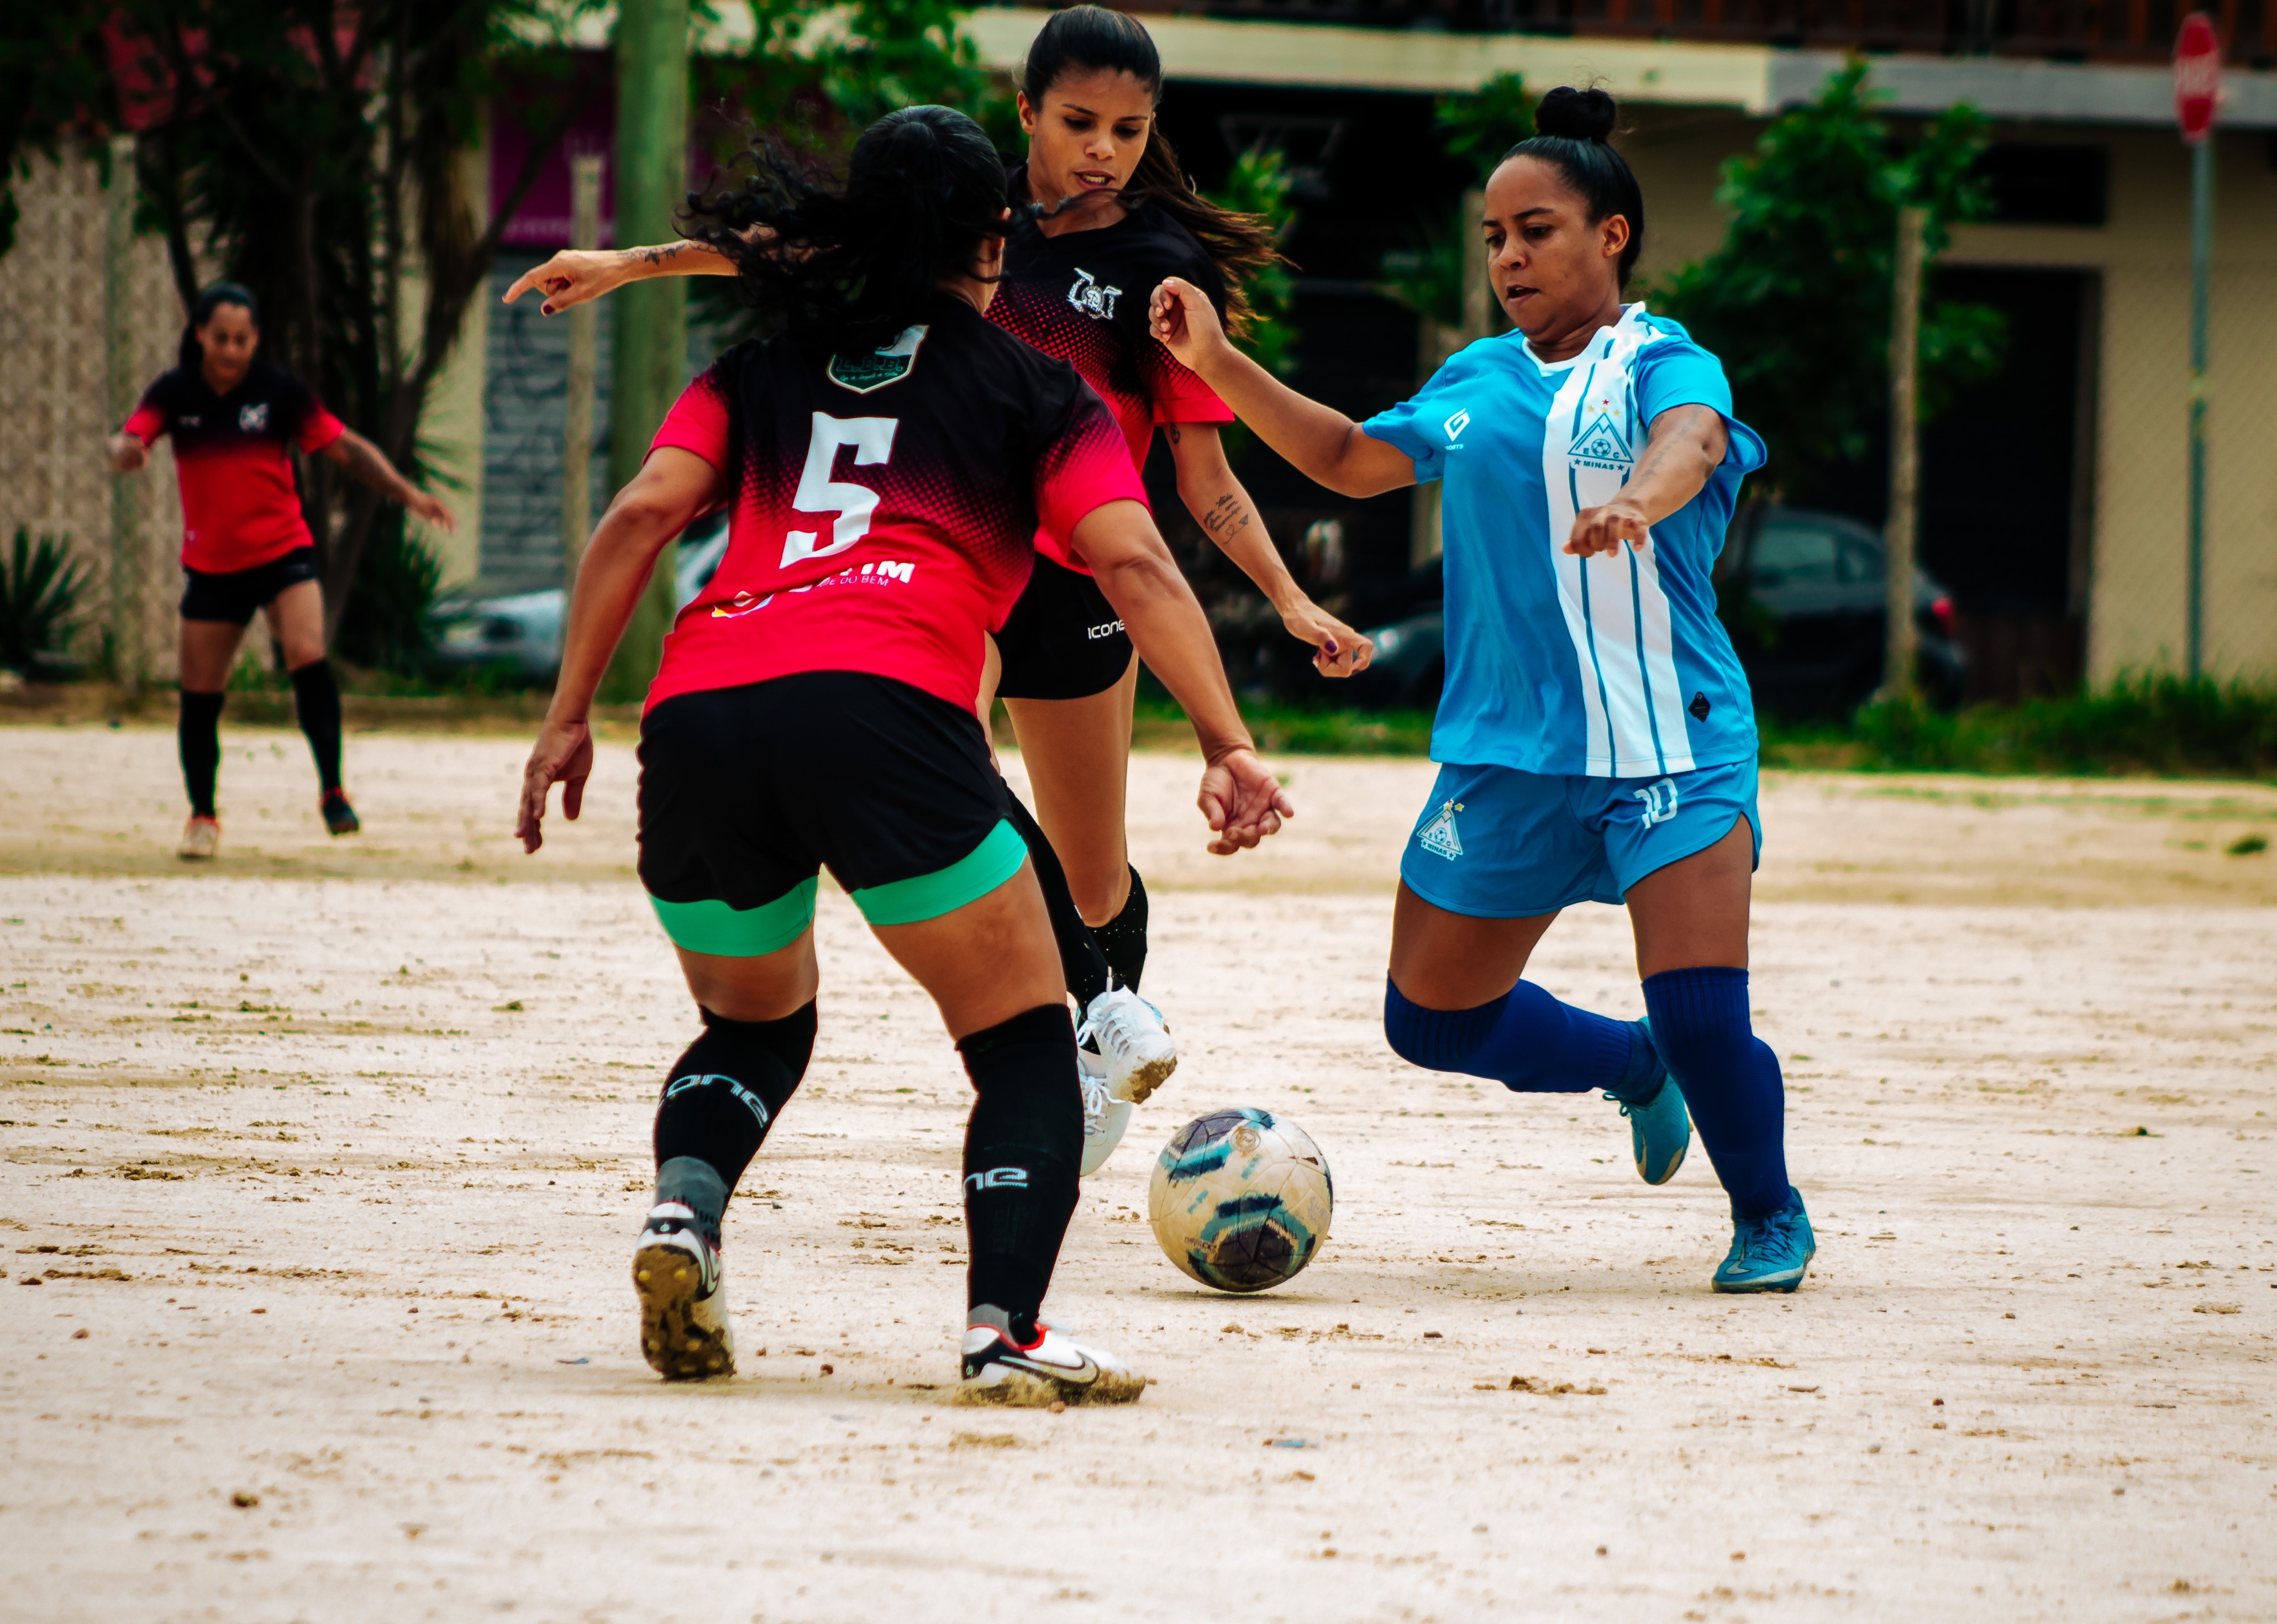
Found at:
(872, 439)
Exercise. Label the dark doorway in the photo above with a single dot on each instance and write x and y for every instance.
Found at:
(2003, 504)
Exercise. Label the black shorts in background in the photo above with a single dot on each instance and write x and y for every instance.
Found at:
(745, 792)
(1063, 640)
(232, 596)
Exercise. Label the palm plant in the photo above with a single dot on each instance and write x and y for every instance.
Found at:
(40, 587)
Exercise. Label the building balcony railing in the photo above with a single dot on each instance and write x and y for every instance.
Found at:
(2136, 31)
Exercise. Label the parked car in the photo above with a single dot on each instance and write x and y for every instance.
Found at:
(1803, 595)
(522, 630)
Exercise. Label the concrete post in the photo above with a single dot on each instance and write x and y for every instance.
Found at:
(1903, 640)
(585, 351)
(125, 563)
(651, 319)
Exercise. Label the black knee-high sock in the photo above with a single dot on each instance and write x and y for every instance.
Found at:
(316, 701)
(1082, 964)
(1023, 1148)
(198, 733)
(718, 1102)
(1123, 938)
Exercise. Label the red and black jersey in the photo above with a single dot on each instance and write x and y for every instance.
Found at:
(1082, 296)
(239, 506)
(881, 507)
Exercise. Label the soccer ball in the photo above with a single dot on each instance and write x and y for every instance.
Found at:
(1239, 1199)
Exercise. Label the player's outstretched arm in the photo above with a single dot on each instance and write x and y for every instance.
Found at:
(578, 276)
(1240, 797)
(671, 489)
(367, 465)
(1326, 445)
(1686, 447)
(1221, 505)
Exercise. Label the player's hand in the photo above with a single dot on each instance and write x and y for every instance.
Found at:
(1603, 530)
(425, 507)
(563, 755)
(1243, 801)
(1186, 323)
(1337, 650)
(128, 454)
(573, 276)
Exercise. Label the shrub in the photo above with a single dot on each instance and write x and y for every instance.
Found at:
(41, 587)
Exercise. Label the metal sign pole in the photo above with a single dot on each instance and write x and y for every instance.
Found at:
(2201, 253)
(2198, 98)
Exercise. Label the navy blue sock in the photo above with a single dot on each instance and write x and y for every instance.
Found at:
(1525, 1040)
(1731, 1081)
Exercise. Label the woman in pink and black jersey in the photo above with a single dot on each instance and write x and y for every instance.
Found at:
(886, 463)
(234, 418)
(1110, 214)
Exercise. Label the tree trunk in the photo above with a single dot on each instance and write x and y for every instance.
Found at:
(1903, 640)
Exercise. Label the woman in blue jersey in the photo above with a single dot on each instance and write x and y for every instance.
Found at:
(1596, 738)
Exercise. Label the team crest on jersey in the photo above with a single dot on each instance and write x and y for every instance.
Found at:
(1440, 835)
(862, 374)
(1092, 298)
(252, 419)
(1601, 445)
(1455, 425)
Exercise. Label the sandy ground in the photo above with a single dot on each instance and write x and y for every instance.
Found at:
(2031, 1038)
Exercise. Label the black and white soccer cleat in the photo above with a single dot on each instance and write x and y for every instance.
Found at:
(1055, 1369)
(685, 1334)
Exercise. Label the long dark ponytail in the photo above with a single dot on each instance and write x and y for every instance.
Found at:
(190, 355)
(1092, 38)
(852, 267)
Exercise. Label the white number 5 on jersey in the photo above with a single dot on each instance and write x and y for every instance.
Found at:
(872, 439)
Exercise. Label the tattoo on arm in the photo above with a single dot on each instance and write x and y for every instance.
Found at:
(1227, 518)
(366, 465)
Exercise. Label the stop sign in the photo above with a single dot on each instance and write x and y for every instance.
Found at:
(2198, 76)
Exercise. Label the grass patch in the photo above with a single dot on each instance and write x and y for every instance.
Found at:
(2159, 726)
(1294, 730)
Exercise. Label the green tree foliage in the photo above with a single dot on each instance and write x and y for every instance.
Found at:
(1796, 301)
(814, 78)
(316, 153)
(1478, 129)
(1259, 184)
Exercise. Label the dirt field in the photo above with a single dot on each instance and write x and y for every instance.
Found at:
(2031, 1040)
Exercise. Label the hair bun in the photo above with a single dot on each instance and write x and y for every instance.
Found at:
(1579, 115)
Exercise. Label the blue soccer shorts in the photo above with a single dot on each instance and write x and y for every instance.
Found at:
(1497, 843)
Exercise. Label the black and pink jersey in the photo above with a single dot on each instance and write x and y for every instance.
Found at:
(881, 507)
(239, 506)
(1082, 296)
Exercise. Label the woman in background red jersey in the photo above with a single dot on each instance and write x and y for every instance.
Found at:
(886, 461)
(245, 544)
(1114, 216)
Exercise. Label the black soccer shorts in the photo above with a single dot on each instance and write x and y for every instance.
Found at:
(1063, 640)
(747, 792)
(233, 595)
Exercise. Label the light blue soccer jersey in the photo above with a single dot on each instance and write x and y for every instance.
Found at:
(1612, 666)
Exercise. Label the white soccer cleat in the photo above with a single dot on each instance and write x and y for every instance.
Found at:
(1128, 1034)
(1055, 1369)
(200, 840)
(685, 1334)
(1104, 1117)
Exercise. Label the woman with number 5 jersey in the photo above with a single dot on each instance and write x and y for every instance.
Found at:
(1113, 216)
(234, 418)
(1596, 738)
(884, 464)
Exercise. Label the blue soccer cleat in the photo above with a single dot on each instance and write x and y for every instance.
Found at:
(1770, 1254)
(1660, 1127)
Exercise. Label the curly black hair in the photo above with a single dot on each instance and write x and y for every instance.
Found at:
(848, 267)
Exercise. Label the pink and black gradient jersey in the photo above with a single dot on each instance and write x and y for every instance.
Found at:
(1082, 296)
(239, 506)
(881, 507)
